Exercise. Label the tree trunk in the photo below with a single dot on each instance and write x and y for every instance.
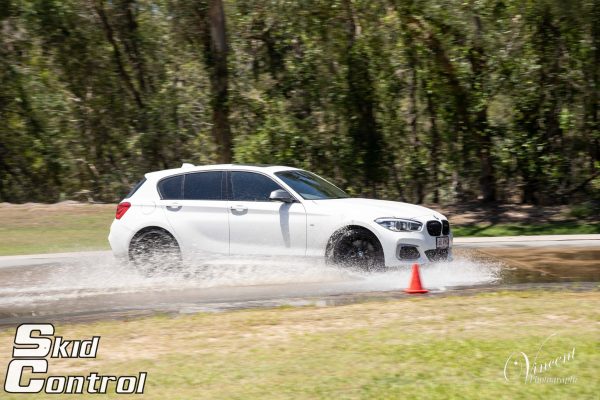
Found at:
(360, 107)
(477, 58)
(421, 31)
(121, 70)
(435, 143)
(216, 50)
(592, 119)
(413, 115)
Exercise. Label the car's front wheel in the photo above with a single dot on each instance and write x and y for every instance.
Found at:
(153, 250)
(356, 248)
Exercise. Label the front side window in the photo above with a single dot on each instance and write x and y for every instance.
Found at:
(171, 188)
(311, 186)
(203, 186)
(250, 186)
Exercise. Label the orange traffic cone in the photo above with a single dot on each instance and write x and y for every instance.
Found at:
(415, 282)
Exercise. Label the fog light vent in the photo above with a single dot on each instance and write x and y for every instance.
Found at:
(437, 255)
(408, 252)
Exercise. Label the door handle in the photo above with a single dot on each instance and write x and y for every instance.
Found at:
(174, 207)
(238, 208)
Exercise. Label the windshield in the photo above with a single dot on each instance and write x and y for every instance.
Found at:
(310, 186)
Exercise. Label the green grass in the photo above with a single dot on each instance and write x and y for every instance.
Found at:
(54, 228)
(429, 348)
(550, 228)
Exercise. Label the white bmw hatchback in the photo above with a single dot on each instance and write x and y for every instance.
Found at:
(197, 212)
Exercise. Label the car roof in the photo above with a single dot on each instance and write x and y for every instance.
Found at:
(186, 168)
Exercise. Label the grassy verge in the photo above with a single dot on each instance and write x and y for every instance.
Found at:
(550, 228)
(434, 348)
(42, 228)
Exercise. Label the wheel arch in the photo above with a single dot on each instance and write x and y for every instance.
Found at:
(151, 228)
(332, 241)
(142, 252)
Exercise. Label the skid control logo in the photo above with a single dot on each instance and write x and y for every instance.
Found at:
(35, 347)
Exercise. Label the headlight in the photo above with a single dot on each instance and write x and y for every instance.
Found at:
(399, 225)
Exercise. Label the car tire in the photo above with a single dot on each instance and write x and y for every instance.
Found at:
(153, 250)
(356, 249)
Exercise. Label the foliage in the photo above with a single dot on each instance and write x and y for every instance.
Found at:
(418, 100)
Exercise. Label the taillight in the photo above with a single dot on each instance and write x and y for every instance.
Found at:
(122, 209)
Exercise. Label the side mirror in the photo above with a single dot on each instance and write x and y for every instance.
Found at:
(281, 195)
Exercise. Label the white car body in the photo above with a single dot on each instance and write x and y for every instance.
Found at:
(204, 228)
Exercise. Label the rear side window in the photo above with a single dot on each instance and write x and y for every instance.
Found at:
(249, 186)
(135, 188)
(204, 186)
(171, 188)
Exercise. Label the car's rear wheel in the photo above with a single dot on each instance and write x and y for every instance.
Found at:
(153, 250)
(356, 248)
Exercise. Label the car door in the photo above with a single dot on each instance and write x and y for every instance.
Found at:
(258, 225)
(196, 207)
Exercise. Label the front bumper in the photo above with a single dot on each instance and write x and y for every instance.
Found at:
(405, 248)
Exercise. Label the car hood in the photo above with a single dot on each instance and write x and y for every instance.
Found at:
(370, 208)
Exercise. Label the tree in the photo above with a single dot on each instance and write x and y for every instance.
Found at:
(416, 100)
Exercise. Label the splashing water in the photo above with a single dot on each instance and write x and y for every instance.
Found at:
(84, 278)
(463, 271)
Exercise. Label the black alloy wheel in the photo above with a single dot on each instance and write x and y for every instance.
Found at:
(359, 249)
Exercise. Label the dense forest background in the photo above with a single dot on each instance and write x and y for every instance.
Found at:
(416, 100)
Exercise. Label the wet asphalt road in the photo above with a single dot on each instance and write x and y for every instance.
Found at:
(91, 285)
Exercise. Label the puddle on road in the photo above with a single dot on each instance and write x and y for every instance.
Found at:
(544, 265)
